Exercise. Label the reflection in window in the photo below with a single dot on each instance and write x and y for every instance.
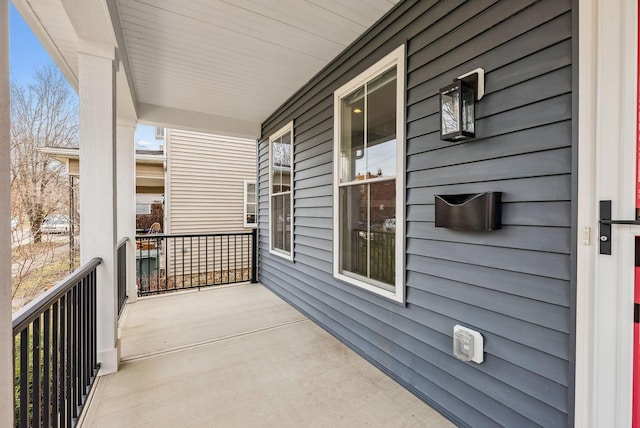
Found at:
(368, 230)
(368, 137)
(281, 164)
(281, 222)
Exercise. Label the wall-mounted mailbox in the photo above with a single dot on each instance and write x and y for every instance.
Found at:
(477, 211)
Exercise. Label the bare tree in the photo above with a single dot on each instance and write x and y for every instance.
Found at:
(44, 113)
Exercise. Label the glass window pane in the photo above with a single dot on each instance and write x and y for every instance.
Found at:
(275, 180)
(277, 222)
(382, 248)
(286, 239)
(381, 126)
(281, 164)
(276, 167)
(368, 150)
(251, 193)
(354, 229)
(352, 150)
(285, 161)
(281, 222)
(368, 231)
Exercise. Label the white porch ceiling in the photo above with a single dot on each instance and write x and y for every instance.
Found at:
(219, 66)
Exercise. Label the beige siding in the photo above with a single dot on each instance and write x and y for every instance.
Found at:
(73, 167)
(149, 170)
(207, 174)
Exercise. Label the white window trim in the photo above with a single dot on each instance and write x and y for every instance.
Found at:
(277, 252)
(244, 208)
(397, 59)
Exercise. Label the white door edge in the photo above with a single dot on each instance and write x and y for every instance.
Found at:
(606, 170)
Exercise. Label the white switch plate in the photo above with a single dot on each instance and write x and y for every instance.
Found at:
(468, 345)
(586, 236)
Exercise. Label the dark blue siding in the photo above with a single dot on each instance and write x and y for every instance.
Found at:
(513, 285)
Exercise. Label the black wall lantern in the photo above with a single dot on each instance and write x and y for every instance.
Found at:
(457, 106)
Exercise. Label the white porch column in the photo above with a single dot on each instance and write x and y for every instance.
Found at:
(98, 188)
(127, 199)
(6, 331)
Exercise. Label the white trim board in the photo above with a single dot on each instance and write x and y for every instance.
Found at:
(606, 170)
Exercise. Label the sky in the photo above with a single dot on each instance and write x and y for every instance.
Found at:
(26, 54)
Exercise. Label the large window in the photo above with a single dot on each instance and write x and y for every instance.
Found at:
(280, 185)
(250, 204)
(369, 179)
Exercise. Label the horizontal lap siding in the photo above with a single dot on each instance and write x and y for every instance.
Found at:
(513, 285)
(206, 192)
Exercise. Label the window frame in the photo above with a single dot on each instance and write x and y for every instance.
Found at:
(396, 58)
(279, 133)
(246, 203)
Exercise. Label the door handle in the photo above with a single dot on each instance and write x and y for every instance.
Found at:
(605, 226)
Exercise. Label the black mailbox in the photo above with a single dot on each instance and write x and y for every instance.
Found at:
(477, 211)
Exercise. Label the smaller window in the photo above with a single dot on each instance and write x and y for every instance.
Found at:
(249, 204)
(280, 192)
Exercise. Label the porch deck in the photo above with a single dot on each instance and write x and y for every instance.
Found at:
(240, 357)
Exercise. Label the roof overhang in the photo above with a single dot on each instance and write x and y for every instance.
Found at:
(150, 169)
(218, 67)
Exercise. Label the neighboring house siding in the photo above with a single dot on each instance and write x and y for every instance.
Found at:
(207, 174)
(149, 170)
(514, 285)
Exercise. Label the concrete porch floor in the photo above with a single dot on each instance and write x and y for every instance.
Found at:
(241, 357)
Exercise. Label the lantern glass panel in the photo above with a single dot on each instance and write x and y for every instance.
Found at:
(450, 110)
(468, 107)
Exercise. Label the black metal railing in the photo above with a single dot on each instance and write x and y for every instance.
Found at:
(55, 359)
(122, 274)
(166, 263)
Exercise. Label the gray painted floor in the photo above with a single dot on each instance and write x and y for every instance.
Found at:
(241, 357)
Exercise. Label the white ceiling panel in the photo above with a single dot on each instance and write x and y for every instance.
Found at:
(234, 61)
(236, 58)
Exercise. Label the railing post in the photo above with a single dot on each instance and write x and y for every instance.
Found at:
(254, 256)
